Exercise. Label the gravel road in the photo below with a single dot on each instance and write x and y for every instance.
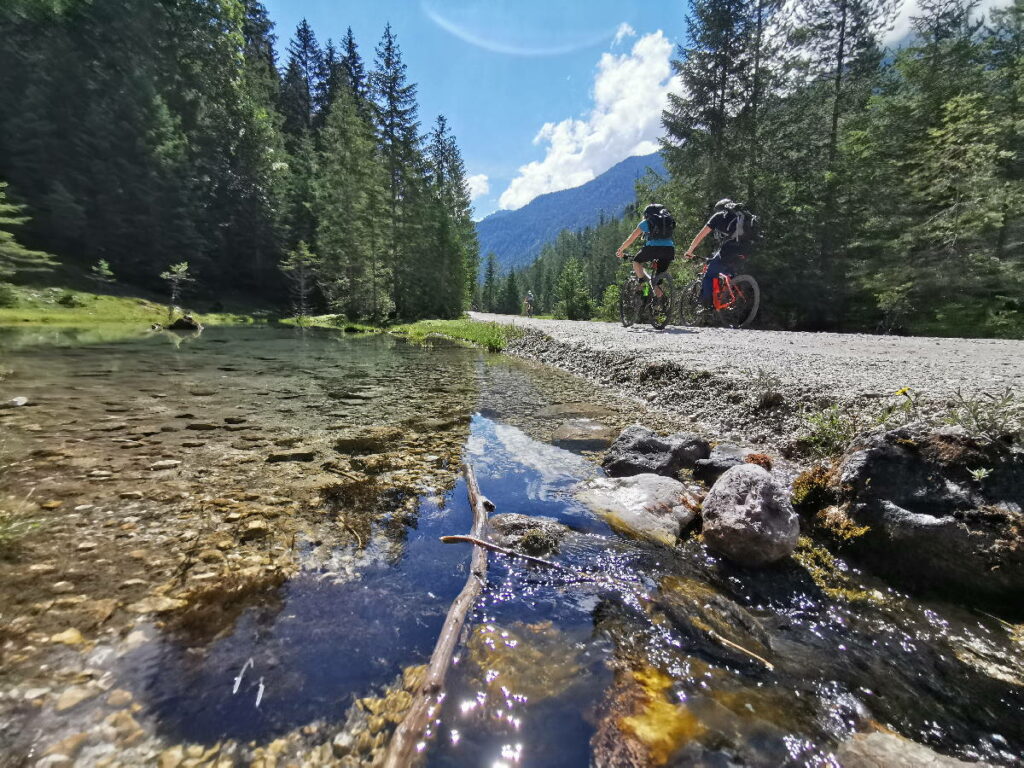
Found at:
(718, 377)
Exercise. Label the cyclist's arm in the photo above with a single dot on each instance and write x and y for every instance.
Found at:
(629, 241)
(697, 241)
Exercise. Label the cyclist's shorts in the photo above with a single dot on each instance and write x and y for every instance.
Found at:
(663, 254)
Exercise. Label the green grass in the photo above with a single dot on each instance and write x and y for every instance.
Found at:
(491, 336)
(61, 307)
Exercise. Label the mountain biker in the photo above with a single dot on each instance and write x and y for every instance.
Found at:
(528, 303)
(725, 224)
(658, 247)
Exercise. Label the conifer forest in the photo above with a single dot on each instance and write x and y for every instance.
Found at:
(152, 134)
(889, 180)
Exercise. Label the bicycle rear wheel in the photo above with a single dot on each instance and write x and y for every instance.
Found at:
(630, 302)
(689, 303)
(661, 306)
(744, 309)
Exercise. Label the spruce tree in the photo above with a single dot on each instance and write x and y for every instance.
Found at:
(14, 256)
(490, 288)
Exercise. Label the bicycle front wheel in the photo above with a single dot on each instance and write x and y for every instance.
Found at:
(689, 303)
(744, 309)
(629, 302)
(661, 306)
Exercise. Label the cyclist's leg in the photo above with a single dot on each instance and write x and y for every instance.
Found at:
(666, 256)
(642, 256)
(714, 270)
(730, 256)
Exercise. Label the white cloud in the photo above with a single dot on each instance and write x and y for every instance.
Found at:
(630, 92)
(478, 185)
(901, 27)
(624, 31)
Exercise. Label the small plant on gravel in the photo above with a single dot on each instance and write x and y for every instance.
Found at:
(829, 431)
(900, 410)
(988, 417)
(979, 474)
(768, 388)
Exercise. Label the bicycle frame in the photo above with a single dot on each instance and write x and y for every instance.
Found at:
(723, 293)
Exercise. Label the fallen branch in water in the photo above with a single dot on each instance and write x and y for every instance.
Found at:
(407, 745)
(502, 550)
(736, 647)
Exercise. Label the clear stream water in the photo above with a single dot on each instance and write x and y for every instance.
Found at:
(553, 661)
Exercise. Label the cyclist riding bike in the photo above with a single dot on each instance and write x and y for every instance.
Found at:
(528, 304)
(656, 227)
(733, 228)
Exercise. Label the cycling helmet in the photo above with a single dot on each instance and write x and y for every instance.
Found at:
(724, 204)
(652, 208)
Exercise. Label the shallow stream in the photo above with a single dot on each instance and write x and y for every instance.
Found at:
(282, 492)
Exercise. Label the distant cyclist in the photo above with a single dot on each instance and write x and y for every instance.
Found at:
(734, 229)
(528, 304)
(657, 227)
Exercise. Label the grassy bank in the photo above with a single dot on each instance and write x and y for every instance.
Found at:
(491, 336)
(62, 307)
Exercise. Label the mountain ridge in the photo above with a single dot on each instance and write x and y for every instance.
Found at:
(516, 237)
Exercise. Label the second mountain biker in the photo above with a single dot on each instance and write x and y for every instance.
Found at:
(735, 229)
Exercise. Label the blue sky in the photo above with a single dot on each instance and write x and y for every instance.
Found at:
(541, 94)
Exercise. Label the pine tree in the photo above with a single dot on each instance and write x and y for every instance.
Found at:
(508, 303)
(395, 110)
(355, 71)
(350, 191)
(490, 288)
(301, 269)
(14, 256)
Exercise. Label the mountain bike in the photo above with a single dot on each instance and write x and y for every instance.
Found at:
(527, 308)
(638, 301)
(734, 298)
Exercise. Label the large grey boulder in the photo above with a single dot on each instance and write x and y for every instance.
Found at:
(639, 450)
(926, 519)
(644, 506)
(748, 517)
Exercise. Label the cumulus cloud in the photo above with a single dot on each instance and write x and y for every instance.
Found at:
(622, 33)
(630, 91)
(901, 27)
(478, 185)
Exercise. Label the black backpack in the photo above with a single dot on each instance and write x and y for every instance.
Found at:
(745, 226)
(661, 224)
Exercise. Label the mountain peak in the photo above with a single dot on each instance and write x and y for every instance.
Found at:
(516, 237)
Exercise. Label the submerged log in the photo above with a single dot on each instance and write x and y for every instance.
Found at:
(407, 745)
(502, 550)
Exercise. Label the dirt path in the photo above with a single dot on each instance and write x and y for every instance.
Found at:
(718, 378)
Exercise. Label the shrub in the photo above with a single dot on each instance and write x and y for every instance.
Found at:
(70, 300)
(609, 308)
(8, 296)
(829, 431)
(988, 417)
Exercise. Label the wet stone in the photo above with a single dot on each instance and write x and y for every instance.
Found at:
(288, 456)
(74, 696)
(165, 464)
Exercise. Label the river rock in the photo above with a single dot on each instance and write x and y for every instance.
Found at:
(156, 604)
(583, 435)
(255, 529)
(185, 323)
(15, 402)
(74, 696)
(639, 450)
(723, 457)
(646, 506)
(887, 750)
(277, 458)
(926, 520)
(748, 517)
(158, 466)
(530, 534)
(575, 411)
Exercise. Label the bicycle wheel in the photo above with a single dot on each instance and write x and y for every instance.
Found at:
(748, 299)
(689, 303)
(661, 306)
(630, 302)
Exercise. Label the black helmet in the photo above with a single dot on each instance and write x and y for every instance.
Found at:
(652, 208)
(724, 204)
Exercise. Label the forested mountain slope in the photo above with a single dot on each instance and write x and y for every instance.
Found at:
(516, 237)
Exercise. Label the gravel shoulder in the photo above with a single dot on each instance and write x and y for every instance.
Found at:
(717, 379)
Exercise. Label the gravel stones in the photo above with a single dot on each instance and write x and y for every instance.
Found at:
(748, 517)
(645, 506)
(639, 450)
